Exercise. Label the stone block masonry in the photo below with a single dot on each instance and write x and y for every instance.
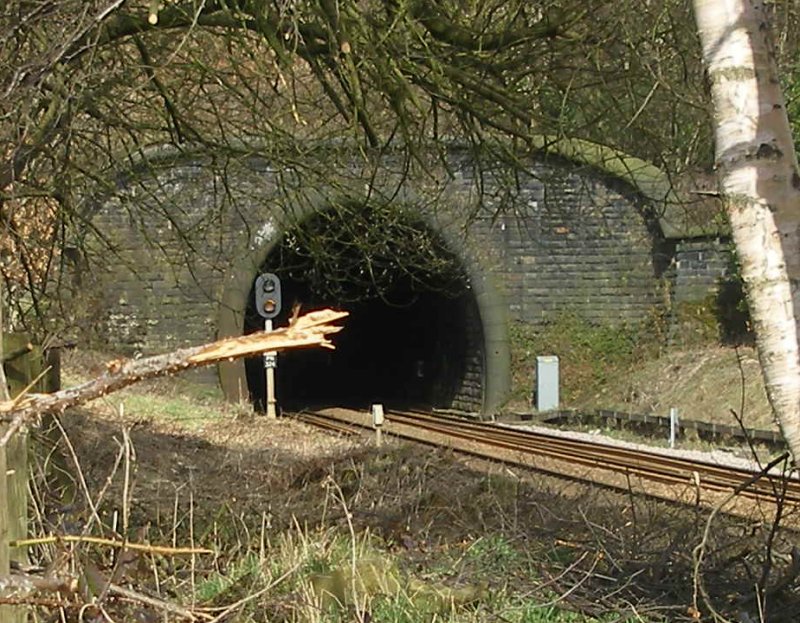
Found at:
(556, 238)
(576, 242)
(701, 266)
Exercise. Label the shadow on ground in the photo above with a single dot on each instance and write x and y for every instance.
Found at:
(237, 484)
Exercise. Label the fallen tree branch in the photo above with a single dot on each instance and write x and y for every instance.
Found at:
(33, 601)
(19, 587)
(115, 543)
(24, 589)
(154, 602)
(310, 330)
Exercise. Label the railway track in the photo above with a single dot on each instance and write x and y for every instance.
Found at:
(676, 477)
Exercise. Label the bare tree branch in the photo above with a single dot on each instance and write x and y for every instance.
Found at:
(306, 331)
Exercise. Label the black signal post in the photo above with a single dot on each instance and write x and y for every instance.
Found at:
(268, 305)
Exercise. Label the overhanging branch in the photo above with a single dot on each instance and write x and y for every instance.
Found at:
(447, 31)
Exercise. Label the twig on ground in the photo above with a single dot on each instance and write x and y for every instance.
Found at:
(103, 491)
(115, 543)
(779, 492)
(699, 551)
(554, 580)
(24, 585)
(33, 601)
(224, 611)
(127, 449)
(589, 572)
(79, 472)
(160, 604)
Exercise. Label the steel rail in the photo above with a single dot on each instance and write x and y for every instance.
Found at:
(654, 465)
(327, 423)
(492, 441)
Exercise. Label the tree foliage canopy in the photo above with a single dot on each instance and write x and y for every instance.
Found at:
(87, 85)
(627, 75)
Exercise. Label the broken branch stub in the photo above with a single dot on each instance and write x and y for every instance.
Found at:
(307, 331)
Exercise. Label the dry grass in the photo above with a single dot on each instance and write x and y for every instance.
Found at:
(288, 510)
(704, 384)
(293, 515)
(625, 370)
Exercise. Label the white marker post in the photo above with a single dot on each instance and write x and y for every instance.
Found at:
(673, 426)
(377, 423)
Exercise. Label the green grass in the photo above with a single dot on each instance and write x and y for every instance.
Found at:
(181, 400)
(322, 576)
(180, 408)
(494, 554)
(588, 354)
(531, 612)
(219, 584)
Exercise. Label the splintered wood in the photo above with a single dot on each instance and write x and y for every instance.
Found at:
(307, 331)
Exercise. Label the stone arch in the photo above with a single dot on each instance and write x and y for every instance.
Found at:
(492, 311)
(677, 217)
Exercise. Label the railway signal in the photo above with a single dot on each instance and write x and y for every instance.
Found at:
(268, 295)
(268, 306)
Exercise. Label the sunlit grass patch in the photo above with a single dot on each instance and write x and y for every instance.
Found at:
(180, 408)
(188, 400)
(328, 577)
(218, 584)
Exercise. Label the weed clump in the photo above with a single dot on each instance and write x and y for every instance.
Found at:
(589, 355)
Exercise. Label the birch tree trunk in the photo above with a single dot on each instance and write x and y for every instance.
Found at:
(760, 183)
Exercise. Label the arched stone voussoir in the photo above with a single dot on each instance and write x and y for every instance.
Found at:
(448, 223)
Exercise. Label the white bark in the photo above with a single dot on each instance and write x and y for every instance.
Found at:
(759, 179)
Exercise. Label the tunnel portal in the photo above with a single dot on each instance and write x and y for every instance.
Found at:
(413, 337)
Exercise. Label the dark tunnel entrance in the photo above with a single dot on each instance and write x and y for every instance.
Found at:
(413, 337)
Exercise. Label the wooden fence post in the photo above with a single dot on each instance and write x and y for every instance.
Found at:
(13, 513)
(13, 490)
